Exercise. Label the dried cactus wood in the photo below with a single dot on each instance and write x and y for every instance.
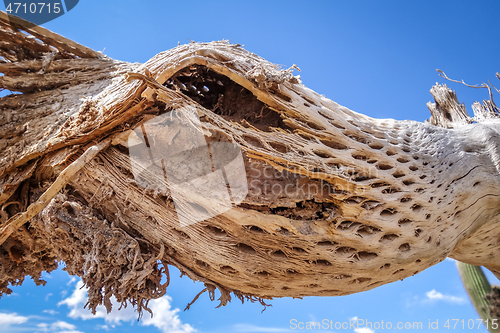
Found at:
(367, 201)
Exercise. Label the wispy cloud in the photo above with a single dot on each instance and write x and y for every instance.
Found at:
(165, 318)
(8, 319)
(361, 329)
(250, 328)
(106, 327)
(433, 295)
(51, 312)
(57, 327)
(71, 281)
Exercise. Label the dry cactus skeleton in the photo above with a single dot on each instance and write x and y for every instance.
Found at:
(337, 202)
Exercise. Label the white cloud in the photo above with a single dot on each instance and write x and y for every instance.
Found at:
(106, 327)
(43, 326)
(7, 319)
(47, 296)
(165, 318)
(51, 312)
(62, 325)
(433, 295)
(249, 328)
(77, 300)
(363, 330)
(71, 281)
(58, 327)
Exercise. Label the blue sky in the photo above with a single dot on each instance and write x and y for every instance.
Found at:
(375, 57)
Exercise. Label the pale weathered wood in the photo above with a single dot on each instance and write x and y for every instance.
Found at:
(49, 40)
(16, 221)
(369, 201)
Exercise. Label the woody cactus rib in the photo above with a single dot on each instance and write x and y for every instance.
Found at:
(367, 202)
(478, 288)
